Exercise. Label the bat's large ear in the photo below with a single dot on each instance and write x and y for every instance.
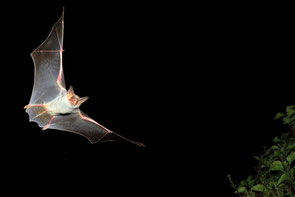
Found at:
(71, 91)
(83, 99)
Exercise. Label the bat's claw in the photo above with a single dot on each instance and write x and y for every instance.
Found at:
(139, 144)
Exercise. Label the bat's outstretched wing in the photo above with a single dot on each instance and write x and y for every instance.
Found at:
(49, 85)
(49, 79)
(82, 124)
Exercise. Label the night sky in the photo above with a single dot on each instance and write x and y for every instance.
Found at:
(199, 85)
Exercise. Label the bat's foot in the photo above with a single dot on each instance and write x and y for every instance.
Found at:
(46, 126)
(139, 144)
(133, 142)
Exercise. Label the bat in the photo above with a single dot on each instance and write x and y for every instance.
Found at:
(51, 106)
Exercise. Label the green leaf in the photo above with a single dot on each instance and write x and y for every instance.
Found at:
(283, 178)
(274, 147)
(276, 139)
(290, 110)
(285, 164)
(290, 147)
(242, 190)
(250, 180)
(256, 158)
(243, 183)
(276, 154)
(291, 157)
(271, 183)
(286, 120)
(278, 116)
(276, 166)
(258, 188)
(292, 117)
(283, 149)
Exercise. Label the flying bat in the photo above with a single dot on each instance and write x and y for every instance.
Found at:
(51, 106)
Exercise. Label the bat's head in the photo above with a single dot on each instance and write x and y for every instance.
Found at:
(74, 99)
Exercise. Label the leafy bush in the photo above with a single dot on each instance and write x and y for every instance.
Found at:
(275, 167)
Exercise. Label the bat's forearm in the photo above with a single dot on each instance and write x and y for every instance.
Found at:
(34, 105)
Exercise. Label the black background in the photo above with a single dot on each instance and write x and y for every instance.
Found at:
(199, 85)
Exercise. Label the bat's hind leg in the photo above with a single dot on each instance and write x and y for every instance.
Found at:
(46, 126)
(42, 116)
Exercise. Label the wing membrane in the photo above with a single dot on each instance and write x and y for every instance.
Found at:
(39, 115)
(82, 124)
(49, 78)
(75, 124)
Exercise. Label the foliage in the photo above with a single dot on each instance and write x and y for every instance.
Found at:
(275, 167)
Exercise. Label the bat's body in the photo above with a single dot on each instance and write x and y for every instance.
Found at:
(51, 105)
(61, 105)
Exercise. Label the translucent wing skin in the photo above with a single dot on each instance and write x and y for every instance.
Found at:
(39, 115)
(49, 78)
(79, 123)
(74, 123)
